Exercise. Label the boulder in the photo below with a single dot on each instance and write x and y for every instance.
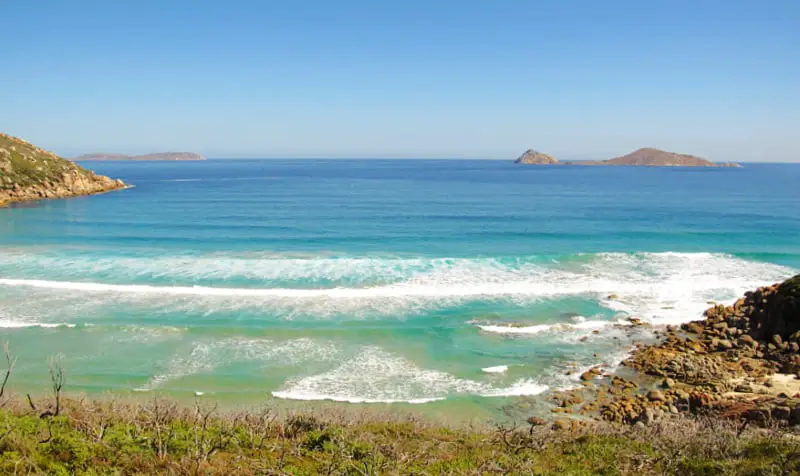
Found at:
(536, 421)
(561, 425)
(794, 415)
(758, 415)
(781, 413)
(656, 396)
(747, 340)
(724, 344)
(647, 416)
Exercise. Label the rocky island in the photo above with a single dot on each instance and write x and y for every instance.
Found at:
(30, 173)
(531, 156)
(154, 156)
(644, 157)
(649, 156)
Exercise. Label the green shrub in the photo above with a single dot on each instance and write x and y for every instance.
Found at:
(97, 439)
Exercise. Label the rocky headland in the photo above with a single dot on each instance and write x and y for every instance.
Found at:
(30, 173)
(741, 363)
(645, 157)
(154, 156)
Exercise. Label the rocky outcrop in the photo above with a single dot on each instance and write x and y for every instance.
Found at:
(741, 362)
(531, 156)
(154, 156)
(756, 336)
(765, 321)
(30, 173)
(735, 354)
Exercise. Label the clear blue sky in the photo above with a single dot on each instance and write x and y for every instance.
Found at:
(483, 79)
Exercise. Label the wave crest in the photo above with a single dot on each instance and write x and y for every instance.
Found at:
(376, 376)
(656, 287)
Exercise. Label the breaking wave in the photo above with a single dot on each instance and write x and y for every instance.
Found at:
(657, 287)
(376, 376)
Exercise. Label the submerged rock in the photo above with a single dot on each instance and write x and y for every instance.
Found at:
(590, 374)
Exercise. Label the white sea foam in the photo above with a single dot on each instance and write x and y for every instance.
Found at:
(526, 387)
(498, 369)
(542, 328)
(561, 378)
(262, 267)
(12, 324)
(306, 396)
(205, 356)
(376, 376)
(656, 287)
(537, 329)
(147, 334)
(506, 275)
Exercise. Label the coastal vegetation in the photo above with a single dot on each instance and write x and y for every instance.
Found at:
(30, 173)
(160, 437)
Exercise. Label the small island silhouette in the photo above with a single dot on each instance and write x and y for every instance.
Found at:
(646, 157)
(153, 156)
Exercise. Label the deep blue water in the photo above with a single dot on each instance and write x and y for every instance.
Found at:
(379, 280)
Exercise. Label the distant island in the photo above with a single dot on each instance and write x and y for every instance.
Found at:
(645, 157)
(531, 156)
(154, 156)
(30, 173)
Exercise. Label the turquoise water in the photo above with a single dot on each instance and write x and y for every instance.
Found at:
(451, 286)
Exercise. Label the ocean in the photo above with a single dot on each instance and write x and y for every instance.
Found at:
(461, 288)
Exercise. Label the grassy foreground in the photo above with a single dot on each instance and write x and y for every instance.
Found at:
(159, 437)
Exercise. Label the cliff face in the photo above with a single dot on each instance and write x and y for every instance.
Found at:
(155, 156)
(531, 156)
(30, 173)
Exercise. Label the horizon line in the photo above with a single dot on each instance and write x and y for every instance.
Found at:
(310, 157)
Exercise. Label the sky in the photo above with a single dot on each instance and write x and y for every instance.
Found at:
(442, 79)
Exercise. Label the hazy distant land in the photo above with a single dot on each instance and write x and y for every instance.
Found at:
(153, 156)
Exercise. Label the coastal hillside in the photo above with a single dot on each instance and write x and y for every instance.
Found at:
(30, 173)
(154, 156)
